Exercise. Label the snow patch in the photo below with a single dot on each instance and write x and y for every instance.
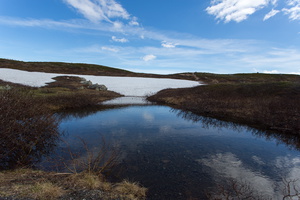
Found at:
(128, 86)
(127, 101)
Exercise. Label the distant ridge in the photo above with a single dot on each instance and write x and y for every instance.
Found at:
(81, 68)
(100, 70)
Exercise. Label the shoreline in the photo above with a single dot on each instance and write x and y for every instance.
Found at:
(265, 106)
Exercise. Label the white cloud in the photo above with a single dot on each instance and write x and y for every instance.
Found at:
(168, 44)
(294, 10)
(134, 22)
(274, 59)
(295, 73)
(236, 10)
(271, 71)
(194, 53)
(100, 10)
(45, 23)
(149, 57)
(240, 10)
(118, 25)
(113, 9)
(89, 9)
(122, 40)
(272, 13)
(274, 2)
(110, 49)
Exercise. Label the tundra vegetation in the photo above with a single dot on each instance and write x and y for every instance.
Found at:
(263, 101)
(28, 128)
(29, 131)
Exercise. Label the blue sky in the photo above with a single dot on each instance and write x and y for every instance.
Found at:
(157, 36)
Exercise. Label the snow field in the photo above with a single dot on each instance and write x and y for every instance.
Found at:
(128, 86)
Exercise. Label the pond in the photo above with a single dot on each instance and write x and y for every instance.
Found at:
(178, 155)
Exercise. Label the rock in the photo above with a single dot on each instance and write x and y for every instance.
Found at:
(86, 82)
(97, 87)
(102, 87)
(90, 85)
(7, 87)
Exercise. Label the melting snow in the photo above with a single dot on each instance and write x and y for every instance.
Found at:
(128, 86)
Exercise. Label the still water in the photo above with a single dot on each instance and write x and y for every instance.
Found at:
(178, 155)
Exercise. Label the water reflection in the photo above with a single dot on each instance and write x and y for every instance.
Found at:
(258, 184)
(84, 112)
(24, 143)
(128, 100)
(291, 140)
(207, 122)
(179, 155)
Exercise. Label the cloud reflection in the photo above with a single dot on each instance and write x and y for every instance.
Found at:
(228, 166)
(148, 117)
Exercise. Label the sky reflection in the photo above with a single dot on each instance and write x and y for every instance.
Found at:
(165, 151)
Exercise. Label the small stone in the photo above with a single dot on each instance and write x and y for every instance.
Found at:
(7, 87)
(97, 87)
(86, 82)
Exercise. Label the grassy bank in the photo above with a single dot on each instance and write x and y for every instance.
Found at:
(210, 78)
(29, 131)
(262, 104)
(64, 93)
(33, 184)
(69, 93)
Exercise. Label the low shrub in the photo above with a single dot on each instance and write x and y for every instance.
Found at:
(272, 106)
(27, 130)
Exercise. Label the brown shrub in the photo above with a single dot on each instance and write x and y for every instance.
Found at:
(27, 130)
(264, 105)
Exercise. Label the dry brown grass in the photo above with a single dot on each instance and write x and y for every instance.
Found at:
(39, 185)
(64, 93)
(65, 68)
(27, 183)
(27, 129)
(210, 78)
(88, 181)
(60, 99)
(131, 190)
(43, 191)
(273, 106)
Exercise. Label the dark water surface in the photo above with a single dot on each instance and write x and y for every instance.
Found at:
(178, 155)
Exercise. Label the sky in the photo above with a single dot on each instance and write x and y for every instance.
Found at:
(156, 36)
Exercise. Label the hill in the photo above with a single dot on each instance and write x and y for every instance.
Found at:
(80, 68)
(265, 101)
